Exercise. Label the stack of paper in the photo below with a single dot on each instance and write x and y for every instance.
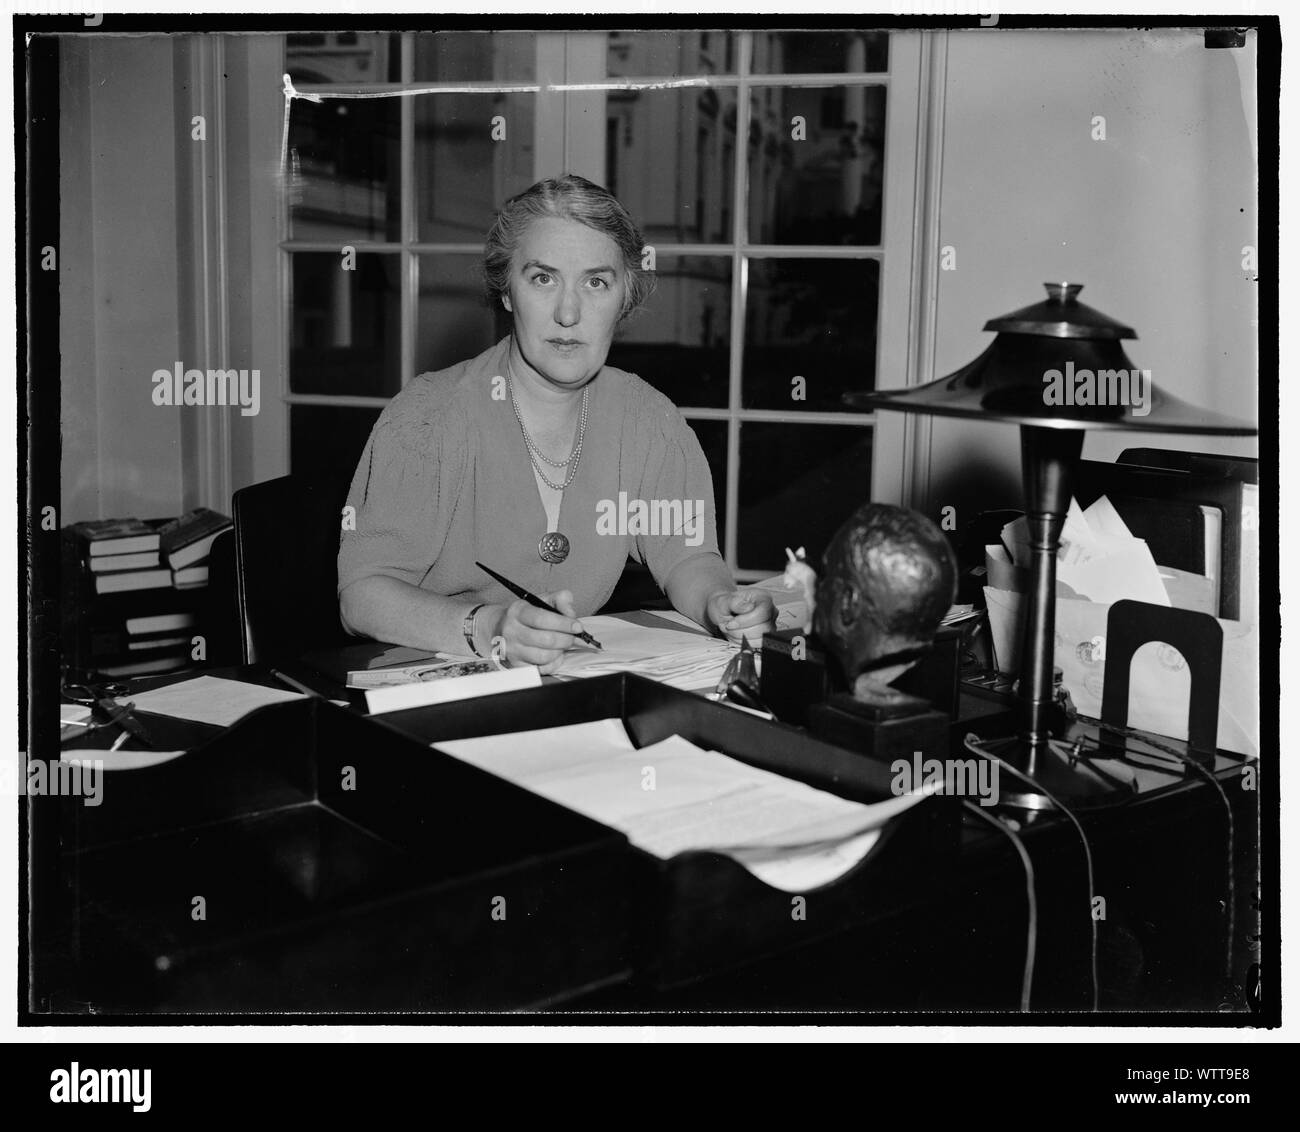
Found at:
(687, 660)
(1099, 559)
(672, 796)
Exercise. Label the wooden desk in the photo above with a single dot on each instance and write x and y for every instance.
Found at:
(955, 940)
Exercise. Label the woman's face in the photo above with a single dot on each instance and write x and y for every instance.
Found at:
(567, 287)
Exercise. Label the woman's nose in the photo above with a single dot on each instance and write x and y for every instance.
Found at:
(567, 308)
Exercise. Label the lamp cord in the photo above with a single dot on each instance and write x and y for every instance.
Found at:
(1031, 899)
(972, 744)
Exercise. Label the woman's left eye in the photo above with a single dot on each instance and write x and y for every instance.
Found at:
(599, 282)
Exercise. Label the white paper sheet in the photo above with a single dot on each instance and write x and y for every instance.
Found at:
(671, 615)
(792, 615)
(402, 696)
(1099, 559)
(1079, 544)
(683, 660)
(118, 760)
(672, 796)
(1105, 521)
(1123, 571)
(209, 699)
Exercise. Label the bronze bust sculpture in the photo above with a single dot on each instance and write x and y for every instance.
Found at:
(888, 577)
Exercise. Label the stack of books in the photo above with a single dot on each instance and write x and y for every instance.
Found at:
(137, 554)
(133, 592)
(186, 542)
(122, 555)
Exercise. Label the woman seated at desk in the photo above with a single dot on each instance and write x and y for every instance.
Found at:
(518, 458)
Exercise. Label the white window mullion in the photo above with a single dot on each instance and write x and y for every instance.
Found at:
(739, 293)
(908, 280)
(410, 263)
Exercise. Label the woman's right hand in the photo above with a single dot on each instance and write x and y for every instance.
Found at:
(538, 636)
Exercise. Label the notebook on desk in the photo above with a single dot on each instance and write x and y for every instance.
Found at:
(367, 656)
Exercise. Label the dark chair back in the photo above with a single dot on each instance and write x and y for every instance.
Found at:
(286, 549)
(1245, 469)
(221, 615)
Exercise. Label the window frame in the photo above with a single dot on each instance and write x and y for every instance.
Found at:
(571, 84)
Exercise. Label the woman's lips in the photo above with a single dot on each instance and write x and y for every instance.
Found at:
(565, 346)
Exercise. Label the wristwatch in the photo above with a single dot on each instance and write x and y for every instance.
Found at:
(467, 628)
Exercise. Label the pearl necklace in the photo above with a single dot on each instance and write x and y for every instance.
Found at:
(535, 454)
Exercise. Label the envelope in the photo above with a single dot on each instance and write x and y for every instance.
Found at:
(1159, 681)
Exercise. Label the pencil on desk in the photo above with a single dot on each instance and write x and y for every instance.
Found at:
(296, 685)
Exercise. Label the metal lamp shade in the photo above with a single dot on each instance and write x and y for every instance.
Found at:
(1014, 379)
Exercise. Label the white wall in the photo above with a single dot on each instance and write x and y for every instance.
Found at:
(144, 216)
(1152, 221)
(118, 278)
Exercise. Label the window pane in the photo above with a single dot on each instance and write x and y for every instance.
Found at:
(816, 163)
(343, 169)
(475, 56)
(325, 444)
(652, 54)
(798, 483)
(452, 320)
(472, 152)
(344, 57)
(820, 52)
(813, 319)
(712, 436)
(679, 342)
(345, 326)
(669, 157)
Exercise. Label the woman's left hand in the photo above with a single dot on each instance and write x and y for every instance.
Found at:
(742, 613)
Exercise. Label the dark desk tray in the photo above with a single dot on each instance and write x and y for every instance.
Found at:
(702, 912)
(319, 898)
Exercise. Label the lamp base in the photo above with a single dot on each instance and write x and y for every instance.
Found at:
(1077, 782)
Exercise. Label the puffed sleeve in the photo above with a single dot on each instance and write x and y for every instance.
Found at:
(678, 487)
(402, 499)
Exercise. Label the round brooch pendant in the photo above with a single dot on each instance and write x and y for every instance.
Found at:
(553, 547)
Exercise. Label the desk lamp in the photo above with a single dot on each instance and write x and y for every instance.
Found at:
(1016, 381)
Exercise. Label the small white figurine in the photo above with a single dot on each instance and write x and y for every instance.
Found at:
(799, 575)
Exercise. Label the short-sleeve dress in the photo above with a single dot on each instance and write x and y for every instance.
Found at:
(445, 481)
